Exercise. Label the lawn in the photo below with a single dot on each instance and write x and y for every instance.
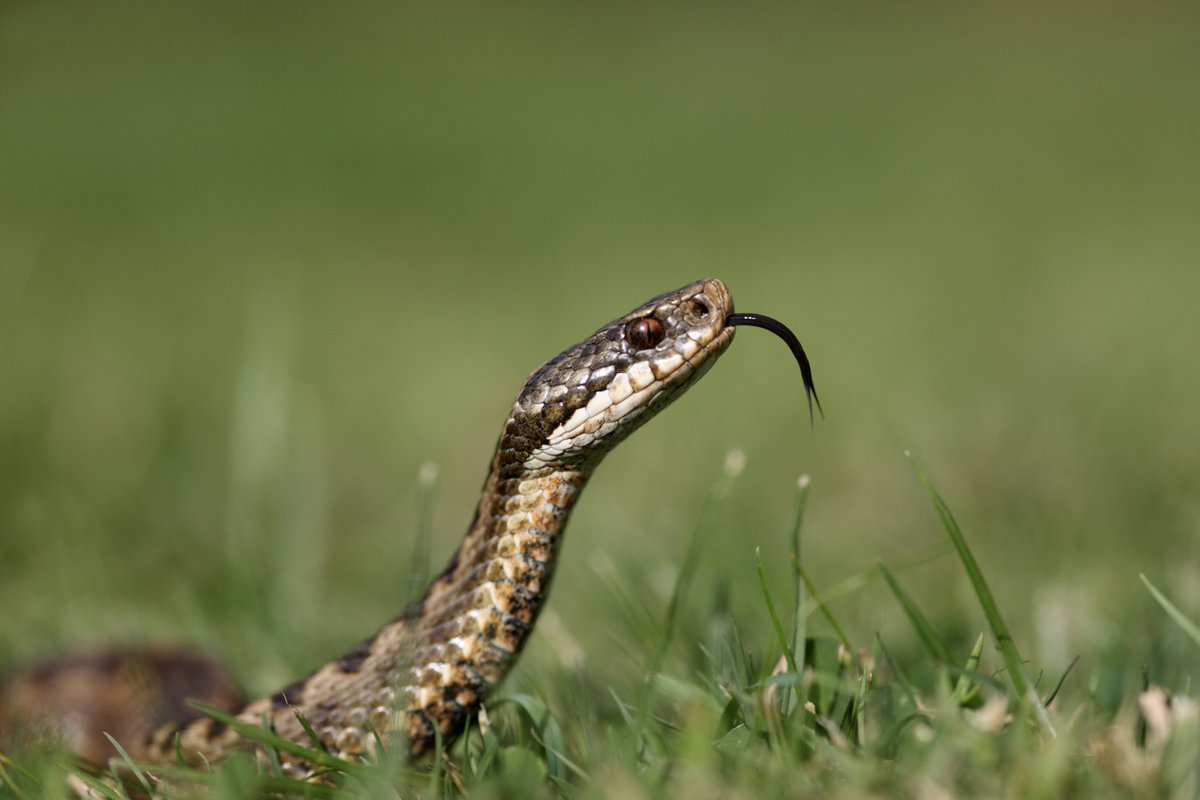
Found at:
(267, 269)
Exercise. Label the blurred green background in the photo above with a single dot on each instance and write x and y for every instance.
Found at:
(260, 262)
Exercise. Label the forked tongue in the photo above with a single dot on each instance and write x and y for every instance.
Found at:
(783, 332)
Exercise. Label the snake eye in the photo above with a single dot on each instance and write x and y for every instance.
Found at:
(645, 333)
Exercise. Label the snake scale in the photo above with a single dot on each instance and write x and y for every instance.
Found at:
(430, 669)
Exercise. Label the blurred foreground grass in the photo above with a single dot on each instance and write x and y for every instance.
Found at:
(259, 264)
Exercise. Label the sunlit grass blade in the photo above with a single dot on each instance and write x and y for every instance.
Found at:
(929, 637)
(1008, 648)
(1189, 627)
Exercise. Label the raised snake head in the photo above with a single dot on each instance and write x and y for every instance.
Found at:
(587, 399)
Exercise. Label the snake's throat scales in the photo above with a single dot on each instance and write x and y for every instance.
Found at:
(433, 666)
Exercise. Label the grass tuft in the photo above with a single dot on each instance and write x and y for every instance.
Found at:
(761, 711)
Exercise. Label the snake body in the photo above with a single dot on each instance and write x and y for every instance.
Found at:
(428, 672)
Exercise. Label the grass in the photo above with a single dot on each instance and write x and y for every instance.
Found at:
(779, 717)
(260, 266)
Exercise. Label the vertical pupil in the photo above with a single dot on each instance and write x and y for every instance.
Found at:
(645, 333)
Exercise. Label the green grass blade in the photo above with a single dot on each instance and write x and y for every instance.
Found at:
(963, 691)
(816, 596)
(137, 773)
(418, 564)
(491, 747)
(739, 656)
(10, 782)
(735, 462)
(929, 637)
(269, 738)
(294, 787)
(1008, 648)
(562, 760)
(906, 686)
(1058, 686)
(799, 597)
(1139, 734)
(779, 634)
(866, 678)
(1189, 627)
(546, 731)
(971, 675)
(313, 739)
(435, 774)
(273, 754)
(799, 632)
(101, 788)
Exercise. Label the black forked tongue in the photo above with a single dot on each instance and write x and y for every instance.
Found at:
(784, 332)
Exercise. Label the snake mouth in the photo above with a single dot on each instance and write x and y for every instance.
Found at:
(783, 332)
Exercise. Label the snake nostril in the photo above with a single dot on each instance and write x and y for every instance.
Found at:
(696, 311)
(645, 333)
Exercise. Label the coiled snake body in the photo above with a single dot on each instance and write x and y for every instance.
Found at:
(432, 667)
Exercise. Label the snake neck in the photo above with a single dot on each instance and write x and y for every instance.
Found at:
(506, 559)
(429, 670)
(475, 616)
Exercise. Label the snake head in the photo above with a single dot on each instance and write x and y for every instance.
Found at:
(584, 401)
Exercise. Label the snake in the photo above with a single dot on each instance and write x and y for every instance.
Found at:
(417, 682)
